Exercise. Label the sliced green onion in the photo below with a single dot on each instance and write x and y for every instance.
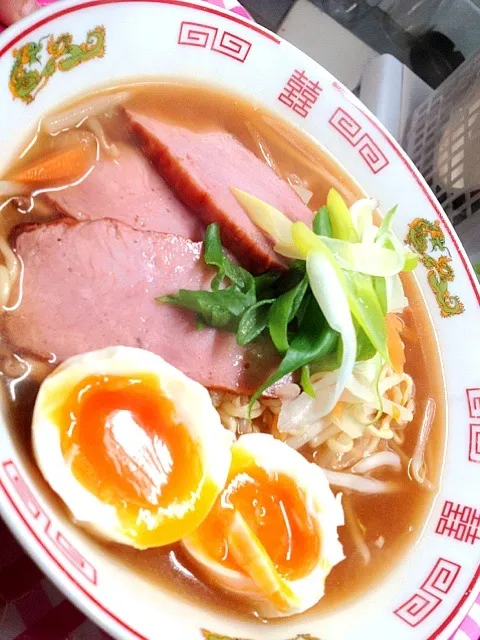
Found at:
(303, 306)
(305, 381)
(267, 218)
(215, 257)
(330, 362)
(361, 213)
(253, 322)
(371, 259)
(378, 372)
(313, 340)
(411, 261)
(362, 298)
(282, 312)
(367, 310)
(365, 349)
(321, 223)
(328, 289)
(387, 238)
(380, 286)
(215, 308)
(305, 241)
(385, 228)
(396, 300)
(265, 283)
(342, 225)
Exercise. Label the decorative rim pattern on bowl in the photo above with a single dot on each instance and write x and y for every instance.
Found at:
(366, 142)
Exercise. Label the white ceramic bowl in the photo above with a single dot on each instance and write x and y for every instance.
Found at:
(431, 588)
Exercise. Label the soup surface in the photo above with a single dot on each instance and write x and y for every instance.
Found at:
(387, 524)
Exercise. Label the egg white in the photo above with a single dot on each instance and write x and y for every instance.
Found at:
(324, 509)
(193, 407)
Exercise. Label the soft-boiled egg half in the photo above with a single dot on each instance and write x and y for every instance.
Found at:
(133, 447)
(271, 536)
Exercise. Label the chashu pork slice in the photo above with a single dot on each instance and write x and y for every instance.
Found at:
(129, 190)
(201, 167)
(93, 284)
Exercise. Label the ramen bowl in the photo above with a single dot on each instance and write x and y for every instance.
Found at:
(76, 48)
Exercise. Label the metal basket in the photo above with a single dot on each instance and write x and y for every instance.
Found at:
(443, 140)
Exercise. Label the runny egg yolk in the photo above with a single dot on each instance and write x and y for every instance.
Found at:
(126, 446)
(273, 508)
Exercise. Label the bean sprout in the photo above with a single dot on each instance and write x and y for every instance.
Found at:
(288, 391)
(417, 468)
(323, 436)
(8, 273)
(11, 189)
(110, 148)
(263, 148)
(361, 484)
(385, 434)
(75, 115)
(241, 411)
(340, 444)
(378, 460)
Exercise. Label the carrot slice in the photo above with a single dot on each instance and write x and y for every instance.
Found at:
(67, 164)
(396, 348)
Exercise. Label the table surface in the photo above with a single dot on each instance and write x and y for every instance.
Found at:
(32, 608)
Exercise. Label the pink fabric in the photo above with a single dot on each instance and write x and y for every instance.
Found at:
(241, 12)
(32, 608)
(232, 5)
(470, 627)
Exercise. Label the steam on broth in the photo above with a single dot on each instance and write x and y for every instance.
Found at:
(384, 459)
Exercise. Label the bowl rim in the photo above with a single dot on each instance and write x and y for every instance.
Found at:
(9, 511)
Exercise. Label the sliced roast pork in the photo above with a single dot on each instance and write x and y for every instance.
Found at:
(201, 168)
(92, 284)
(129, 190)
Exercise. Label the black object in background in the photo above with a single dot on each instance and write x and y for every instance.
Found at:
(269, 13)
(433, 57)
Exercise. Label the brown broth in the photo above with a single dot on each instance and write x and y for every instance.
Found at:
(398, 518)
